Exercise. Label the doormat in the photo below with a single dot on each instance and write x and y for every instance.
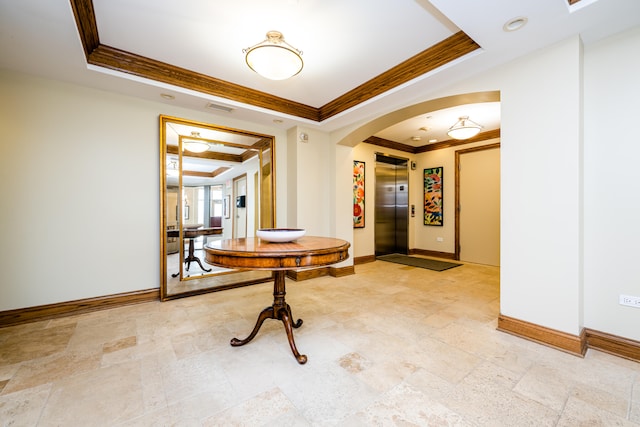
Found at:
(429, 264)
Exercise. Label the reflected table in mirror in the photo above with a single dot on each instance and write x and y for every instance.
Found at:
(257, 254)
(192, 234)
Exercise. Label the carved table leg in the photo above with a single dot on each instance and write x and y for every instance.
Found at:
(191, 257)
(280, 310)
(286, 320)
(298, 323)
(267, 313)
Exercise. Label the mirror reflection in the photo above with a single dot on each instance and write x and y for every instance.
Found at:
(218, 183)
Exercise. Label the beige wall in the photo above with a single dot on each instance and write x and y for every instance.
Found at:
(80, 190)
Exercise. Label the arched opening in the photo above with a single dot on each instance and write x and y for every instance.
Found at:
(429, 240)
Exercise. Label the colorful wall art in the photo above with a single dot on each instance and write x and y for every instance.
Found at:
(433, 214)
(358, 194)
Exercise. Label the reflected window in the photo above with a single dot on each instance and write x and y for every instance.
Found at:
(200, 208)
(216, 200)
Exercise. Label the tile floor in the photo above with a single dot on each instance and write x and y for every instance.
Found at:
(389, 346)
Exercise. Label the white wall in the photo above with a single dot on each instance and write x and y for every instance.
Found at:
(311, 175)
(612, 181)
(541, 184)
(541, 188)
(341, 203)
(80, 190)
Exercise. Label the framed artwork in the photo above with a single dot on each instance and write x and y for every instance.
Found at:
(433, 214)
(358, 194)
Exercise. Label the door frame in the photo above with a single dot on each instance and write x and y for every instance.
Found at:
(399, 160)
(234, 222)
(457, 201)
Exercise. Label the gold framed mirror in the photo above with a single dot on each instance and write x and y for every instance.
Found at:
(215, 183)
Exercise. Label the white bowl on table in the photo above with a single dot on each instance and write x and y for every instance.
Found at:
(280, 235)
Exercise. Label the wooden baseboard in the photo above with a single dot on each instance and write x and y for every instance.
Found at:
(299, 275)
(434, 254)
(612, 344)
(51, 311)
(342, 271)
(574, 344)
(363, 259)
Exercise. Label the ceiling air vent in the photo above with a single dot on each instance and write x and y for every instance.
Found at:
(218, 107)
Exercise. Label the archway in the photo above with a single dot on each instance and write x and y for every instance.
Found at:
(374, 126)
(364, 238)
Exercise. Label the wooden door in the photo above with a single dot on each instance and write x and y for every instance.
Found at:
(478, 207)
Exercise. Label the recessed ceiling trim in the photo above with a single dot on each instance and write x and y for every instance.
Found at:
(381, 142)
(87, 27)
(212, 174)
(116, 59)
(235, 158)
(482, 136)
(436, 56)
(119, 60)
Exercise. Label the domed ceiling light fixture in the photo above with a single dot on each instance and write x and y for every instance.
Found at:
(464, 128)
(274, 58)
(195, 146)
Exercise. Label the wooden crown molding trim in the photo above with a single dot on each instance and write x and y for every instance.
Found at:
(483, 136)
(126, 62)
(613, 344)
(112, 58)
(86, 23)
(51, 311)
(574, 344)
(381, 142)
(436, 56)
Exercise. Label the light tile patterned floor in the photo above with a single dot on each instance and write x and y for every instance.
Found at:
(389, 346)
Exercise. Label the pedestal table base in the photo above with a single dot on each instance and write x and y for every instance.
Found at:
(280, 310)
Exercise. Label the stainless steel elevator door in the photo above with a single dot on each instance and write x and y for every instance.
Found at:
(391, 205)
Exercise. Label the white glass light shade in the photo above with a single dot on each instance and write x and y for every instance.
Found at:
(464, 129)
(273, 58)
(195, 146)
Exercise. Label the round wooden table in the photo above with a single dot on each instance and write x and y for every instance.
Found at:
(258, 254)
(191, 234)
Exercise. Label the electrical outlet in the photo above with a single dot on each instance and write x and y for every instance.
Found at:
(630, 301)
(439, 239)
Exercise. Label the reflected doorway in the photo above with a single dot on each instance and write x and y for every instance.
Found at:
(391, 205)
(240, 207)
